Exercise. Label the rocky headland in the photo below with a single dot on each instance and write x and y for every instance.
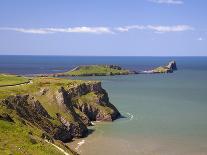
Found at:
(51, 109)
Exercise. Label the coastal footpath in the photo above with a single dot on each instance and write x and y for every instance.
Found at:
(48, 112)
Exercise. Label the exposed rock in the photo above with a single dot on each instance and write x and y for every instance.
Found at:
(6, 117)
(98, 107)
(63, 99)
(77, 129)
(26, 106)
(83, 117)
(100, 110)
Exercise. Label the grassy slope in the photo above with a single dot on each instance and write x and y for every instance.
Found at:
(12, 80)
(38, 83)
(95, 69)
(16, 138)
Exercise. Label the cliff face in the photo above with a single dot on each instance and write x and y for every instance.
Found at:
(92, 100)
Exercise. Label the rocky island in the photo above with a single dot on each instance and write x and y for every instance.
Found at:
(169, 68)
(40, 116)
(95, 70)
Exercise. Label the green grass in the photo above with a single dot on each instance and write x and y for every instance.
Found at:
(96, 70)
(6, 80)
(15, 139)
(161, 70)
(36, 85)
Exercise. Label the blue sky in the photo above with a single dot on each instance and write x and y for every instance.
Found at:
(104, 27)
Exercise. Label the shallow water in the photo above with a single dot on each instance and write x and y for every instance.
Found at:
(166, 114)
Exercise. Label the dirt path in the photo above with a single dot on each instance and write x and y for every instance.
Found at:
(19, 84)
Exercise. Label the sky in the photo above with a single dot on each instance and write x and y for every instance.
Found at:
(103, 27)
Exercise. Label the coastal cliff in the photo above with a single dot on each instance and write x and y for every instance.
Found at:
(52, 109)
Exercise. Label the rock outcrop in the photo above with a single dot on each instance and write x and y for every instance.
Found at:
(172, 65)
(169, 68)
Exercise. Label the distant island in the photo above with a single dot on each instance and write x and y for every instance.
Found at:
(110, 70)
(95, 70)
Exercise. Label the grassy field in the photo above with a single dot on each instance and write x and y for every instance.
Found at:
(36, 85)
(7, 80)
(96, 70)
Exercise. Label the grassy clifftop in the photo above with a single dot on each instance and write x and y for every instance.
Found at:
(9, 80)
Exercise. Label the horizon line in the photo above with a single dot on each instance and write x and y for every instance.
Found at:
(105, 55)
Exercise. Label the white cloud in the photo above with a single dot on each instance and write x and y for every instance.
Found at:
(167, 1)
(33, 31)
(157, 29)
(95, 30)
(127, 28)
(102, 30)
(176, 28)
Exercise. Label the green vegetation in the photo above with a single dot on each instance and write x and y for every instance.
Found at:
(9, 80)
(97, 70)
(18, 138)
(36, 85)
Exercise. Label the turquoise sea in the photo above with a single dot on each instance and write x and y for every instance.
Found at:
(165, 114)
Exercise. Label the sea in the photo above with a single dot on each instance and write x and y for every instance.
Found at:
(163, 114)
